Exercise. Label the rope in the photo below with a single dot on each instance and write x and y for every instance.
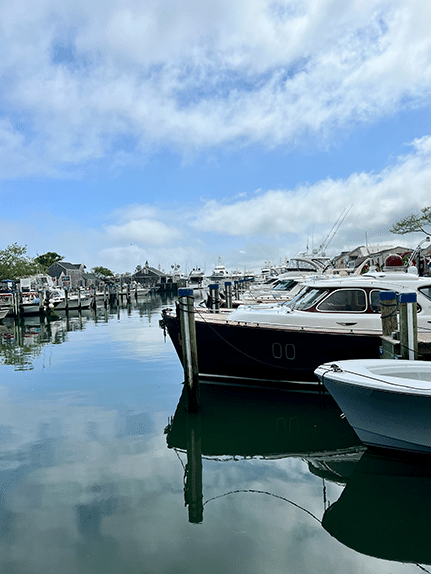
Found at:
(336, 369)
(268, 494)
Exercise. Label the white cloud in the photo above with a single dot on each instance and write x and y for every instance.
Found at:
(77, 76)
(143, 230)
(376, 200)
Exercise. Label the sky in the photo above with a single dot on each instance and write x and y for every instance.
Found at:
(179, 133)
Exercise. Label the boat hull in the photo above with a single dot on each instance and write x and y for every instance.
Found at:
(384, 418)
(262, 355)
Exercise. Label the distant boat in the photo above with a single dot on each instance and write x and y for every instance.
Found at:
(74, 300)
(196, 276)
(6, 303)
(386, 401)
(30, 303)
(219, 272)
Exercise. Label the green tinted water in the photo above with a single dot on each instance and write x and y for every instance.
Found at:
(103, 471)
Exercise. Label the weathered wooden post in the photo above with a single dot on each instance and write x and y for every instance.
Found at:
(388, 300)
(214, 297)
(408, 325)
(129, 300)
(16, 303)
(236, 289)
(66, 298)
(41, 302)
(189, 347)
(228, 290)
(193, 478)
(79, 299)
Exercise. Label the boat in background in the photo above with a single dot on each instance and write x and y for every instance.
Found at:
(220, 273)
(30, 303)
(75, 300)
(6, 304)
(386, 401)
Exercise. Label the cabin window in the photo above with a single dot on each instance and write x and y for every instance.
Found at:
(308, 298)
(426, 291)
(344, 300)
(375, 304)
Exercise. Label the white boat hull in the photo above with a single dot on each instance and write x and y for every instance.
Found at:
(387, 402)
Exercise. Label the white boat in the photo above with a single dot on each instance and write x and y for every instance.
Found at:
(219, 272)
(386, 401)
(196, 277)
(6, 303)
(75, 300)
(30, 303)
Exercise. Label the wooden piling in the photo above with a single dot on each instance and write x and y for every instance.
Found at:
(228, 291)
(388, 300)
(66, 299)
(189, 347)
(214, 297)
(193, 479)
(236, 289)
(408, 325)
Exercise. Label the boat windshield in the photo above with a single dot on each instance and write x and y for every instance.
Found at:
(301, 265)
(308, 298)
(285, 285)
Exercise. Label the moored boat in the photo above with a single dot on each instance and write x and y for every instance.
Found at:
(387, 402)
(331, 319)
(6, 304)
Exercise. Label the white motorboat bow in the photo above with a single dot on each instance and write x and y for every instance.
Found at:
(386, 401)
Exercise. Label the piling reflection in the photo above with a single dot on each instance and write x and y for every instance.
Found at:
(385, 507)
(252, 423)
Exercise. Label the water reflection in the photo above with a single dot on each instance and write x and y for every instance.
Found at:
(22, 340)
(384, 508)
(249, 423)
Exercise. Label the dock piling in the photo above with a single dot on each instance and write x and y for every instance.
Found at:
(214, 297)
(388, 300)
(189, 346)
(228, 291)
(408, 325)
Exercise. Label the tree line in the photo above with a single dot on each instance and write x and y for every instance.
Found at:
(16, 264)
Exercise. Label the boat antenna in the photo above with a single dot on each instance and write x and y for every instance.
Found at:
(334, 229)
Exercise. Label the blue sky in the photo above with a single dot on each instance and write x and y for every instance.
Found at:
(182, 132)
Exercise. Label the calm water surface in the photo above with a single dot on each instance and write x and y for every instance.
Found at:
(103, 471)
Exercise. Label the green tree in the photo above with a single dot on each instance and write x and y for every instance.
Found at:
(102, 272)
(47, 259)
(14, 263)
(413, 223)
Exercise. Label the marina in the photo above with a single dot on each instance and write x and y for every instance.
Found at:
(103, 469)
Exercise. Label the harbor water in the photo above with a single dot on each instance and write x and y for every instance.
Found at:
(103, 470)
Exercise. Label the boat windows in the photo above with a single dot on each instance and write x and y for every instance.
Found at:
(285, 285)
(375, 304)
(344, 300)
(426, 291)
(308, 298)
